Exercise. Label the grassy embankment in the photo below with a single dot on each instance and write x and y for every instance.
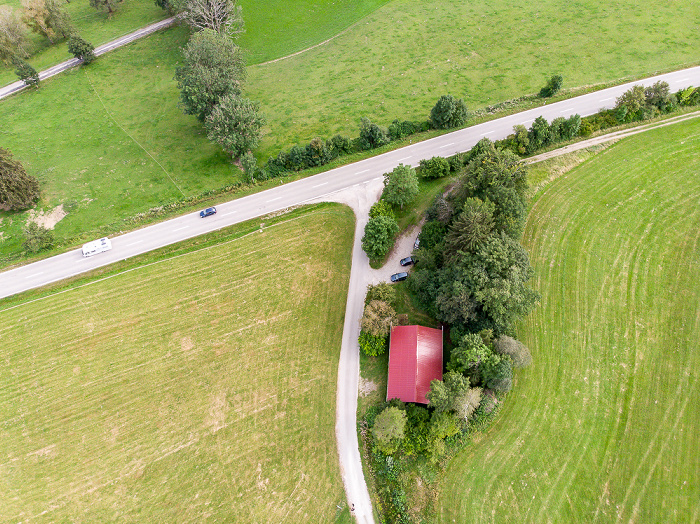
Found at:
(603, 427)
(199, 388)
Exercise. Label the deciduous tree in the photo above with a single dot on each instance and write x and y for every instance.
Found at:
(13, 35)
(235, 124)
(25, 72)
(81, 49)
(371, 135)
(379, 236)
(213, 68)
(37, 238)
(400, 186)
(448, 112)
(516, 350)
(222, 16)
(47, 18)
(105, 5)
(436, 167)
(377, 319)
(388, 429)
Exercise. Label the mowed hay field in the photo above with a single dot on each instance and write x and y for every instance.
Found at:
(197, 389)
(605, 425)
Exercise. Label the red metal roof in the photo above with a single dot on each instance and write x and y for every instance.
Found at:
(415, 358)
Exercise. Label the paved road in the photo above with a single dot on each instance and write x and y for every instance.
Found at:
(109, 46)
(143, 240)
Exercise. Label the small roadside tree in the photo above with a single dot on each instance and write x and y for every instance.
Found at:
(400, 186)
(388, 429)
(629, 105)
(26, 72)
(553, 86)
(81, 49)
(448, 112)
(379, 236)
(249, 165)
(371, 135)
(18, 190)
(436, 167)
(235, 124)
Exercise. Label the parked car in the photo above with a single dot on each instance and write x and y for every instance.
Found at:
(408, 261)
(398, 277)
(416, 243)
(207, 212)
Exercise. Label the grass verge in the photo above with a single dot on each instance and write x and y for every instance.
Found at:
(183, 389)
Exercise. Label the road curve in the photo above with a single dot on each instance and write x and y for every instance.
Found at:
(100, 50)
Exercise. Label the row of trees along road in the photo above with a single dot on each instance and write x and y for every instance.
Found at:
(212, 74)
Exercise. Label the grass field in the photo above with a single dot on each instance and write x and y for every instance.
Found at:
(197, 389)
(604, 426)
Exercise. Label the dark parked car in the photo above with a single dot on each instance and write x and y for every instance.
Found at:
(207, 212)
(408, 261)
(398, 277)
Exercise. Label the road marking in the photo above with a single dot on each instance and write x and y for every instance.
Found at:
(35, 275)
(363, 171)
(278, 198)
(229, 213)
(681, 80)
(523, 123)
(484, 134)
(450, 144)
(180, 228)
(567, 110)
(379, 178)
(405, 158)
(134, 243)
(606, 99)
(319, 185)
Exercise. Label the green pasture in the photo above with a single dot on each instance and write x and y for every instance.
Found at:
(401, 58)
(93, 25)
(604, 426)
(200, 388)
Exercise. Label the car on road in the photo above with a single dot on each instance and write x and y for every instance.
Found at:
(207, 212)
(416, 243)
(97, 246)
(398, 277)
(408, 261)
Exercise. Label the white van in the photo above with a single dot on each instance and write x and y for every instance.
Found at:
(96, 246)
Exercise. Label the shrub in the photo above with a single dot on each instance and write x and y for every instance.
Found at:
(440, 210)
(377, 319)
(690, 96)
(248, 163)
(340, 145)
(370, 345)
(317, 154)
(382, 291)
(371, 135)
(539, 134)
(432, 234)
(436, 167)
(379, 236)
(388, 429)
(448, 112)
(37, 238)
(381, 208)
(517, 351)
(552, 88)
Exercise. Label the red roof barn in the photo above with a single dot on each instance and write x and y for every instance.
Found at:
(415, 358)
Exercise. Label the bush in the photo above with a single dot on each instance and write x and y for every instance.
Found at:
(317, 154)
(552, 88)
(371, 345)
(377, 319)
(517, 351)
(690, 96)
(379, 236)
(448, 112)
(436, 167)
(382, 291)
(37, 238)
(381, 208)
(371, 135)
(539, 134)
(340, 145)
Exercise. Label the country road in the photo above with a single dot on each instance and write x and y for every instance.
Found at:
(363, 179)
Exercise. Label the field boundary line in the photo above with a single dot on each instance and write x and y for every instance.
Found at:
(203, 248)
(127, 133)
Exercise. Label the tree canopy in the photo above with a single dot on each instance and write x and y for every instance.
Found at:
(18, 190)
(235, 124)
(448, 112)
(388, 429)
(400, 186)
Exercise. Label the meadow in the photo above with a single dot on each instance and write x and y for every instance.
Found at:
(603, 427)
(199, 388)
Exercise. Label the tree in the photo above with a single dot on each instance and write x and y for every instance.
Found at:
(659, 96)
(18, 190)
(400, 186)
(629, 105)
(235, 124)
(213, 68)
(444, 393)
(471, 228)
(516, 350)
(465, 404)
(109, 5)
(371, 135)
(46, 18)
(571, 127)
(448, 112)
(381, 208)
(81, 49)
(440, 210)
(222, 16)
(498, 373)
(37, 238)
(553, 86)
(379, 236)
(436, 167)
(539, 134)
(469, 356)
(13, 35)
(25, 72)
(382, 291)
(388, 429)
(249, 164)
(377, 319)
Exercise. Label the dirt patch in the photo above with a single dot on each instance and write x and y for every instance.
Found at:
(47, 220)
(366, 387)
(186, 344)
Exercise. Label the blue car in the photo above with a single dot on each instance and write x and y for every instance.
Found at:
(207, 212)
(398, 277)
